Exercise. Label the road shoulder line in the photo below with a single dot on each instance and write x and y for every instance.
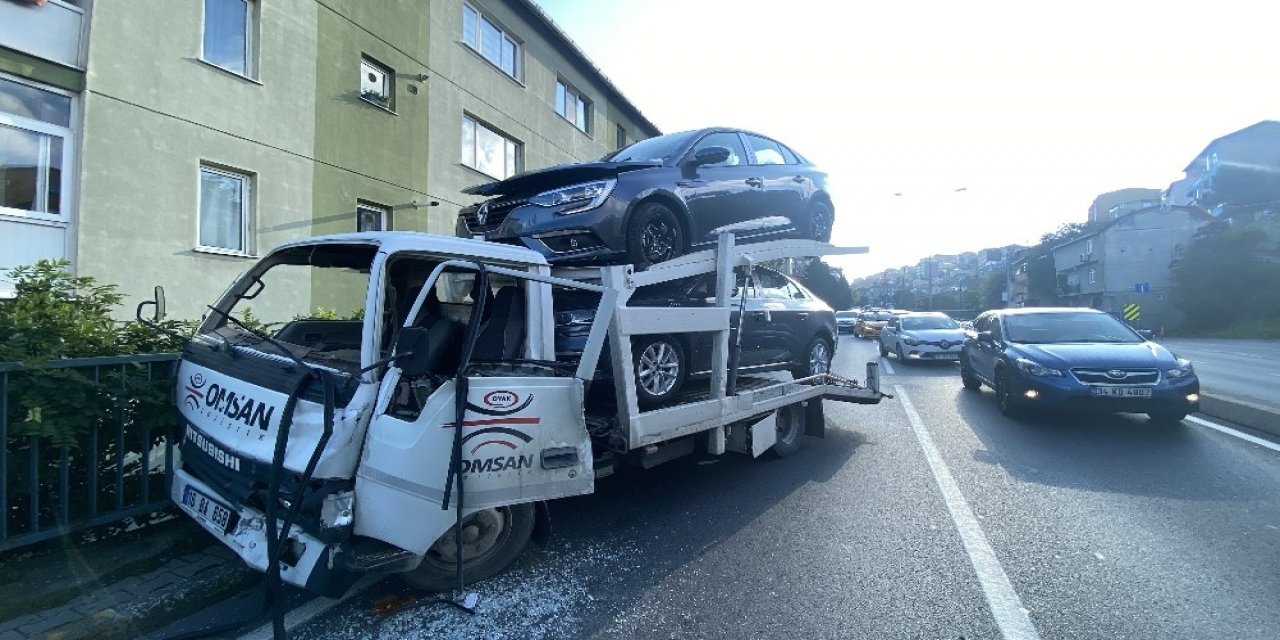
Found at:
(1232, 432)
(1010, 616)
(888, 366)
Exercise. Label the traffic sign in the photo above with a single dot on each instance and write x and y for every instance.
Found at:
(1132, 312)
(1142, 287)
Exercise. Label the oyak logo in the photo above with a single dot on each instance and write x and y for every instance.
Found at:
(501, 402)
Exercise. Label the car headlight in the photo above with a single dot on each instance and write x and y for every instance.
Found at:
(1183, 369)
(1036, 369)
(576, 198)
(910, 341)
(576, 318)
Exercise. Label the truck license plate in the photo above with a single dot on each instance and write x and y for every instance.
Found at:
(1122, 392)
(206, 508)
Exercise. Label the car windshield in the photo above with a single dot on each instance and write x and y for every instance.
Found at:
(653, 149)
(877, 316)
(846, 314)
(1067, 327)
(925, 323)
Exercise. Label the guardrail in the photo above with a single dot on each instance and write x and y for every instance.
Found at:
(87, 442)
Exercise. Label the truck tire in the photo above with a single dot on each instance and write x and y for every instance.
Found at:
(790, 420)
(492, 540)
(660, 366)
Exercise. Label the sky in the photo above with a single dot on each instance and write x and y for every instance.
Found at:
(1032, 109)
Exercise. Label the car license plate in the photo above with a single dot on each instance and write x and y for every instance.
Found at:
(1122, 392)
(206, 508)
(946, 356)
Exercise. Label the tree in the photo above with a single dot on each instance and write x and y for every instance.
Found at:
(990, 290)
(1225, 277)
(822, 280)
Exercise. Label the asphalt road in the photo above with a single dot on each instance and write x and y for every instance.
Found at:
(927, 516)
(1248, 369)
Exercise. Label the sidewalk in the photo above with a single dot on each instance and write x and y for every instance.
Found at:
(121, 587)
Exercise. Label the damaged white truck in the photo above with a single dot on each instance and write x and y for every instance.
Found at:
(393, 402)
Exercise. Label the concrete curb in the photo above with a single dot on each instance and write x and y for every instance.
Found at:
(1255, 416)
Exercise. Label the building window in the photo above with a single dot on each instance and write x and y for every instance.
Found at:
(491, 42)
(224, 211)
(228, 35)
(372, 217)
(488, 151)
(1093, 276)
(35, 138)
(573, 107)
(620, 137)
(1088, 246)
(377, 83)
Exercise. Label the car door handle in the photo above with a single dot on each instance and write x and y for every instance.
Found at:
(755, 182)
(798, 179)
(802, 315)
(761, 315)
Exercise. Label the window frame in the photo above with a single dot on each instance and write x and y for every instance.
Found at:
(250, 41)
(383, 211)
(504, 36)
(68, 175)
(583, 104)
(1093, 276)
(619, 136)
(477, 123)
(246, 209)
(388, 81)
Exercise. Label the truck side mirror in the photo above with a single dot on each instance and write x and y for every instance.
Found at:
(412, 352)
(986, 337)
(158, 313)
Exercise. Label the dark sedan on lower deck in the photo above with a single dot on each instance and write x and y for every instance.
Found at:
(786, 327)
(1067, 358)
(654, 200)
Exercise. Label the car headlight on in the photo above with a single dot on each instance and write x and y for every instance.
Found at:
(910, 341)
(1036, 369)
(576, 198)
(1183, 369)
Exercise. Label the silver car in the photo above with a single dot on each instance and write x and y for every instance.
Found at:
(922, 336)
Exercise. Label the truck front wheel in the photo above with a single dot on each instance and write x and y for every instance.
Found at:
(492, 539)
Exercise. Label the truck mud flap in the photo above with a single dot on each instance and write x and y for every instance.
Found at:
(815, 421)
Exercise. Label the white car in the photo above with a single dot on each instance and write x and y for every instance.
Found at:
(922, 336)
(845, 321)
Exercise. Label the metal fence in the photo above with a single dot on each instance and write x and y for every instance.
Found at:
(87, 442)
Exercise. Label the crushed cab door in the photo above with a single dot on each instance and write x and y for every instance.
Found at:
(523, 439)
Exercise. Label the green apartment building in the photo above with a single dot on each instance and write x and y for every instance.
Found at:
(173, 141)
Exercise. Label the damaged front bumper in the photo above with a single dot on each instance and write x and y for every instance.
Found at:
(306, 561)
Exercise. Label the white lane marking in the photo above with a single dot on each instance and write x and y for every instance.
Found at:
(888, 366)
(1011, 617)
(312, 608)
(1232, 432)
(1274, 374)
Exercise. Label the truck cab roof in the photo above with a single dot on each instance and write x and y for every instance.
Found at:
(397, 241)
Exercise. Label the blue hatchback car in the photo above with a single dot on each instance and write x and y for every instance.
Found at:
(1071, 358)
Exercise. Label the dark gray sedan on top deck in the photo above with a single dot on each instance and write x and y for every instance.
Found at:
(654, 200)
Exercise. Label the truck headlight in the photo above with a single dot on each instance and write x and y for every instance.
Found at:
(576, 198)
(1183, 370)
(1036, 369)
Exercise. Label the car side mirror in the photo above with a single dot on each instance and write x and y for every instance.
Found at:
(412, 352)
(710, 155)
(986, 337)
(798, 296)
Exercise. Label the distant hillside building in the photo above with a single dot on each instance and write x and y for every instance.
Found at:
(1239, 172)
(1113, 204)
(1127, 262)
